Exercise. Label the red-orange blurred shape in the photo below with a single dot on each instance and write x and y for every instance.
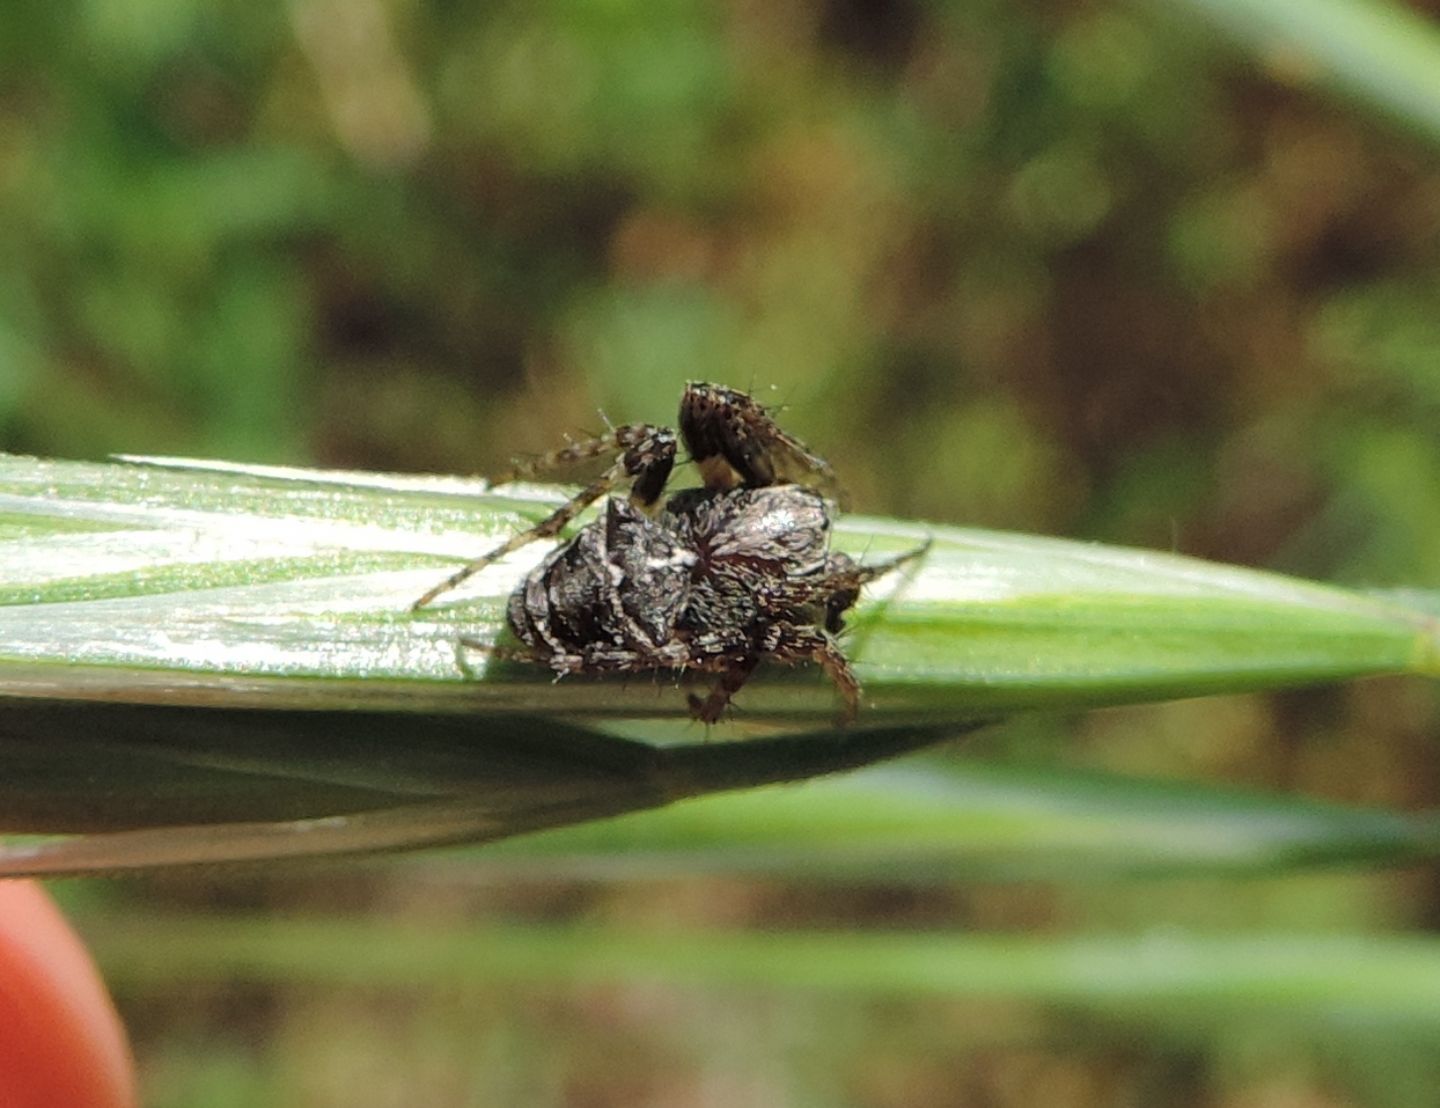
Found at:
(61, 1043)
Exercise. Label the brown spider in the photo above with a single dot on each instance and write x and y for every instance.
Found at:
(717, 579)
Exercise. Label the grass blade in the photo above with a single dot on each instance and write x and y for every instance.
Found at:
(1384, 56)
(923, 822)
(290, 589)
(1311, 978)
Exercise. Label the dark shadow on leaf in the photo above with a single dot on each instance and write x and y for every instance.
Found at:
(146, 786)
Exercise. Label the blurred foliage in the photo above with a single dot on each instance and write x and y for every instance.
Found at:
(1070, 267)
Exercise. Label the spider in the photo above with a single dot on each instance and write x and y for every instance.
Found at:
(716, 579)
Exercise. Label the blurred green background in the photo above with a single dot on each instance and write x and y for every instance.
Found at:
(1145, 274)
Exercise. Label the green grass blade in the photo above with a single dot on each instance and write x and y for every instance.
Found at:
(921, 822)
(1307, 977)
(283, 589)
(1384, 56)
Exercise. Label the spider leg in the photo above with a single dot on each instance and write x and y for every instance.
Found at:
(787, 643)
(497, 653)
(561, 664)
(548, 527)
(852, 576)
(793, 645)
(837, 590)
(647, 451)
(572, 453)
(648, 455)
(732, 679)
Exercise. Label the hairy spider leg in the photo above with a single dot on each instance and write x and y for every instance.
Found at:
(572, 453)
(789, 645)
(799, 644)
(648, 456)
(647, 451)
(561, 664)
(732, 680)
(734, 442)
(846, 582)
(495, 651)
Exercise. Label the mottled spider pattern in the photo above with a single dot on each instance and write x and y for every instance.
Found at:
(717, 579)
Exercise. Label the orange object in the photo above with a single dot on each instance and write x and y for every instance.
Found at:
(61, 1042)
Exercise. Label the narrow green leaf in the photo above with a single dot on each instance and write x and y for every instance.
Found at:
(240, 586)
(922, 822)
(1384, 56)
(1309, 977)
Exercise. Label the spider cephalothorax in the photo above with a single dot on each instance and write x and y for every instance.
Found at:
(717, 579)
